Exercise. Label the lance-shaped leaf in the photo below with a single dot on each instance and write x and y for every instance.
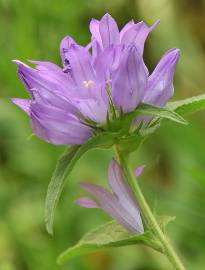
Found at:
(166, 113)
(64, 166)
(106, 236)
(188, 105)
(181, 107)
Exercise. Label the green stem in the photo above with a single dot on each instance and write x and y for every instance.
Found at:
(147, 213)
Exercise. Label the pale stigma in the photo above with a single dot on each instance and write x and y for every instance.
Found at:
(88, 83)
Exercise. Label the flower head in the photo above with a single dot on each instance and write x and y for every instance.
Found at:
(66, 104)
(118, 203)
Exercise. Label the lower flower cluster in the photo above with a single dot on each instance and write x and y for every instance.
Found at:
(119, 203)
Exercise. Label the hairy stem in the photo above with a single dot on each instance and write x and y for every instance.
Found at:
(147, 213)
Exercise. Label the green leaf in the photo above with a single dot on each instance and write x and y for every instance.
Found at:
(64, 166)
(167, 113)
(181, 107)
(108, 235)
(188, 105)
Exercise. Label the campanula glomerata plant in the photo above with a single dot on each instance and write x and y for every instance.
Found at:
(104, 96)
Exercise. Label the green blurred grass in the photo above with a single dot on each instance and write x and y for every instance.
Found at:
(174, 179)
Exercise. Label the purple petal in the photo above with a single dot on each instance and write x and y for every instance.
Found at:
(129, 80)
(45, 80)
(107, 62)
(57, 126)
(56, 136)
(103, 64)
(81, 67)
(64, 49)
(123, 192)
(86, 202)
(137, 34)
(20, 74)
(139, 170)
(96, 50)
(46, 66)
(117, 183)
(53, 73)
(94, 29)
(126, 28)
(89, 46)
(96, 38)
(96, 110)
(117, 55)
(52, 86)
(160, 83)
(109, 31)
(54, 99)
(24, 104)
(110, 204)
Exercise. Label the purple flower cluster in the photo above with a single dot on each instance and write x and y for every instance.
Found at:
(110, 66)
(119, 203)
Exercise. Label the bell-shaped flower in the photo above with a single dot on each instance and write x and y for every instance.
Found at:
(119, 202)
(67, 104)
(59, 99)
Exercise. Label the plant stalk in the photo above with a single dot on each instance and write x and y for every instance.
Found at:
(147, 213)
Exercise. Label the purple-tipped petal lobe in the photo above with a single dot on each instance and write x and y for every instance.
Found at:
(94, 29)
(24, 104)
(126, 28)
(109, 31)
(86, 202)
(160, 83)
(137, 35)
(139, 170)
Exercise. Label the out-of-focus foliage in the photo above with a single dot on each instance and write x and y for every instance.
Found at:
(174, 179)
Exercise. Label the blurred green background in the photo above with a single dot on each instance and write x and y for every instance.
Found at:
(174, 179)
